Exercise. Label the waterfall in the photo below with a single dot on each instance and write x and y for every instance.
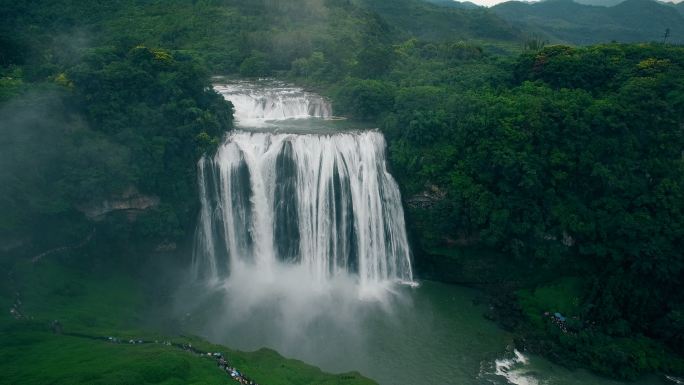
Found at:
(322, 201)
(255, 103)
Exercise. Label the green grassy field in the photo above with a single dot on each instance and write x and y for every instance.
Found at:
(107, 302)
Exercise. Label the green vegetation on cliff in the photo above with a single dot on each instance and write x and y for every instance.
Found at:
(126, 120)
(566, 160)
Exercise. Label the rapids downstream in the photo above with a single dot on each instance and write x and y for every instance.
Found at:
(301, 247)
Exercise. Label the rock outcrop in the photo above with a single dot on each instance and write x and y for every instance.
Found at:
(426, 198)
(130, 201)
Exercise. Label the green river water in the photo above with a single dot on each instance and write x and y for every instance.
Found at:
(433, 334)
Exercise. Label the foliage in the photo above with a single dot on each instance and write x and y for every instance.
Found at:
(562, 297)
(412, 18)
(573, 160)
(157, 105)
(567, 159)
(122, 117)
(576, 22)
(364, 99)
(256, 65)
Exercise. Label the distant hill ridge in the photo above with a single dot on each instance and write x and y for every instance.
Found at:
(442, 20)
(680, 7)
(455, 4)
(571, 22)
(611, 3)
(601, 3)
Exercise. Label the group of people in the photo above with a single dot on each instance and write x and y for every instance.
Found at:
(15, 310)
(233, 372)
(558, 320)
(221, 361)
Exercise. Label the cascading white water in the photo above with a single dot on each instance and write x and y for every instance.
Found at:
(255, 103)
(325, 202)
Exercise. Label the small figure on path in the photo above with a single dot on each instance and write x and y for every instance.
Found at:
(56, 327)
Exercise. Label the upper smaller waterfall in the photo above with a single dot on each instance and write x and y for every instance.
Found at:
(255, 104)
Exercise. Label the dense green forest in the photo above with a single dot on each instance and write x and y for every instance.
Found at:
(84, 144)
(561, 160)
(571, 22)
(560, 168)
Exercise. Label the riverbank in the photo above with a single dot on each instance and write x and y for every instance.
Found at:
(541, 307)
(106, 301)
(436, 335)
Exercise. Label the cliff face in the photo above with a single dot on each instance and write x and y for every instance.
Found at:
(130, 201)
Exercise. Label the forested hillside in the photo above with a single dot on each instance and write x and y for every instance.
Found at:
(454, 4)
(422, 19)
(564, 162)
(122, 124)
(570, 22)
(602, 3)
(565, 159)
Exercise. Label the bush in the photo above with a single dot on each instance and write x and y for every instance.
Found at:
(364, 99)
(256, 65)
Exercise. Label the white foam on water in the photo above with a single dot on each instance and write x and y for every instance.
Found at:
(256, 104)
(514, 370)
